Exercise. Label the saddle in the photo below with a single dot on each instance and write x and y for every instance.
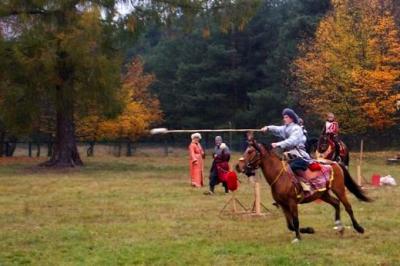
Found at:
(308, 174)
(342, 147)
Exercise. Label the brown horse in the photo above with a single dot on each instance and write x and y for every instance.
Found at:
(279, 176)
(326, 150)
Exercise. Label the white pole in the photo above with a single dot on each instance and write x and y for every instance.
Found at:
(360, 163)
(165, 130)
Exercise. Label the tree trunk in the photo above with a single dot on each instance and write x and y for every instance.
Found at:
(13, 146)
(2, 143)
(129, 148)
(90, 150)
(119, 148)
(37, 149)
(49, 148)
(65, 151)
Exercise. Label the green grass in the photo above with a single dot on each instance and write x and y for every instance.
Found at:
(141, 210)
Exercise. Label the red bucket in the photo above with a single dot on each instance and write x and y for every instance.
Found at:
(376, 180)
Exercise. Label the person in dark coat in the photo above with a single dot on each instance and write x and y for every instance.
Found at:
(220, 165)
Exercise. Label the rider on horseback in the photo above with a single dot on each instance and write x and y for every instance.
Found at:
(293, 142)
(331, 129)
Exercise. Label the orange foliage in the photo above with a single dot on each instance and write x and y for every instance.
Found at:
(352, 67)
(141, 110)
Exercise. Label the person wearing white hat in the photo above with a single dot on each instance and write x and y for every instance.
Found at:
(196, 154)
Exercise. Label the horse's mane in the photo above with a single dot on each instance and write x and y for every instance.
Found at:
(267, 146)
(277, 152)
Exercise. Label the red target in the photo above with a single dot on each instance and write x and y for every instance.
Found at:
(232, 181)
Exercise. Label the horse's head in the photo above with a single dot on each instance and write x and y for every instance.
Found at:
(251, 158)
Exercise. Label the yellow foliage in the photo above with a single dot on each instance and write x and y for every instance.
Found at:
(141, 110)
(352, 67)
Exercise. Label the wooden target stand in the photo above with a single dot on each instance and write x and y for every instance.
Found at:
(257, 206)
(233, 202)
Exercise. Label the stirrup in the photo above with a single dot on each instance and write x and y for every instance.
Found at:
(305, 186)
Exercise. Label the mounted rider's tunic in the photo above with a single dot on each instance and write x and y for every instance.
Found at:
(293, 140)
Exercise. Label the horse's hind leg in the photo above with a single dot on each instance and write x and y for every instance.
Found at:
(336, 204)
(342, 197)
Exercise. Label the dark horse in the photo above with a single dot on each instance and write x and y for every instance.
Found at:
(326, 150)
(279, 176)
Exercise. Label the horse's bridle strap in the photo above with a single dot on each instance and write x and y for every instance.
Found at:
(253, 162)
(280, 173)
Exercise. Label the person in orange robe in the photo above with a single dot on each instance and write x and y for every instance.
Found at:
(196, 154)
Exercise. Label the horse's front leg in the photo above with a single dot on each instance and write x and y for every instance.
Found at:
(289, 218)
(289, 221)
(296, 223)
(291, 214)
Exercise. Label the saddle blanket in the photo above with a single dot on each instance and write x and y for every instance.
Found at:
(313, 181)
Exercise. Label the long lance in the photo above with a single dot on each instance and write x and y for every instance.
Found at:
(155, 131)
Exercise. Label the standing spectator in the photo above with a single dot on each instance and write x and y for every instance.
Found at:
(220, 165)
(196, 154)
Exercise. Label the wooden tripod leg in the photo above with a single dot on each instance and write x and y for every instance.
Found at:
(226, 204)
(241, 205)
(234, 202)
(268, 210)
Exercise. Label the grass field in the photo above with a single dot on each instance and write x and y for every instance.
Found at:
(141, 210)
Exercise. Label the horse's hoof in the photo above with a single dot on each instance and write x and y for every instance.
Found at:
(339, 229)
(295, 241)
(360, 229)
(307, 230)
(339, 226)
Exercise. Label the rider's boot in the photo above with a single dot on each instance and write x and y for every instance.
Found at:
(306, 187)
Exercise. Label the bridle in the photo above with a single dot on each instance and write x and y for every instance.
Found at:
(254, 163)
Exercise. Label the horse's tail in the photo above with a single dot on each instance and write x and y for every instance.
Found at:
(352, 186)
(346, 158)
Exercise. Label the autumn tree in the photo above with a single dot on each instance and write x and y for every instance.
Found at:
(61, 52)
(141, 109)
(70, 52)
(351, 67)
(377, 82)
